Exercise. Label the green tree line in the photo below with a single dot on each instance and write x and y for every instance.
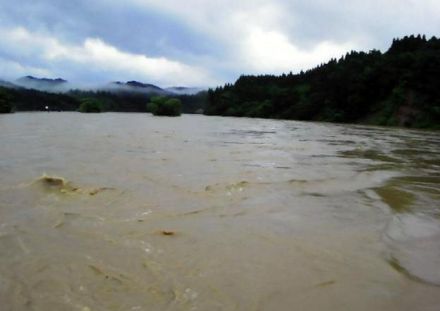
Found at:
(20, 99)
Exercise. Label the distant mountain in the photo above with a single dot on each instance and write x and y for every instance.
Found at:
(136, 87)
(43, 84)
(59, 85)
(43, 80)
(143, 85)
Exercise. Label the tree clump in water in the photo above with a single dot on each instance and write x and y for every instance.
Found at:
(164, 106)
(90, 105)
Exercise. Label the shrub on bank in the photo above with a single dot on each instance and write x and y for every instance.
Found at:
(5, 102)
(164, 106)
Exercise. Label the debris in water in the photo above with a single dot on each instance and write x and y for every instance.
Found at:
(56, 183)
(397, 266)
(97, 270)
(98, 190)
(63, 186)
(193, 212)
(58, 224)
(242, 184)
(53, 181)
(168, 233)
(298, 181)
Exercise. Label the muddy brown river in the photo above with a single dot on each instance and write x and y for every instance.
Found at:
(130, 212)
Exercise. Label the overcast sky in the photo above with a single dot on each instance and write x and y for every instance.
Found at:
(195, 42)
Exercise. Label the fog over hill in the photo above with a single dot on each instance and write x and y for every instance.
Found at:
(43, 84)
(59, 85)
(181, 90)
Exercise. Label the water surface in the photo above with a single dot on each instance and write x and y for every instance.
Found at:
(132, 212)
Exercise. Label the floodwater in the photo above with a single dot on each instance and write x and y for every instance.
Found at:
(129, 212)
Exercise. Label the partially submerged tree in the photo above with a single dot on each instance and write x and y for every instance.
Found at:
(164, 106)
(90, 105)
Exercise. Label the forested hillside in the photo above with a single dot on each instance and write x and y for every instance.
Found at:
(399, 87)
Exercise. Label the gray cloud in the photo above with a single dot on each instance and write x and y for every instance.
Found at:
(196, 42)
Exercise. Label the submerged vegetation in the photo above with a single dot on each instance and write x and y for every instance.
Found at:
(164, 106)
(90, 105)
(399, 88)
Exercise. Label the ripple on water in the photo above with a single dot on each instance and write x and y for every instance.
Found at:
(369, 154)
(411, 194)
(397, 199)
(414, 246)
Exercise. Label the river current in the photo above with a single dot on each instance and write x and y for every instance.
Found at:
(125, 212)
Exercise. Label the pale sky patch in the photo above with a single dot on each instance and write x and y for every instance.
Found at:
(270, 51)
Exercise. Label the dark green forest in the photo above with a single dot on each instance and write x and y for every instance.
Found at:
(20, 99)
(400, 87)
